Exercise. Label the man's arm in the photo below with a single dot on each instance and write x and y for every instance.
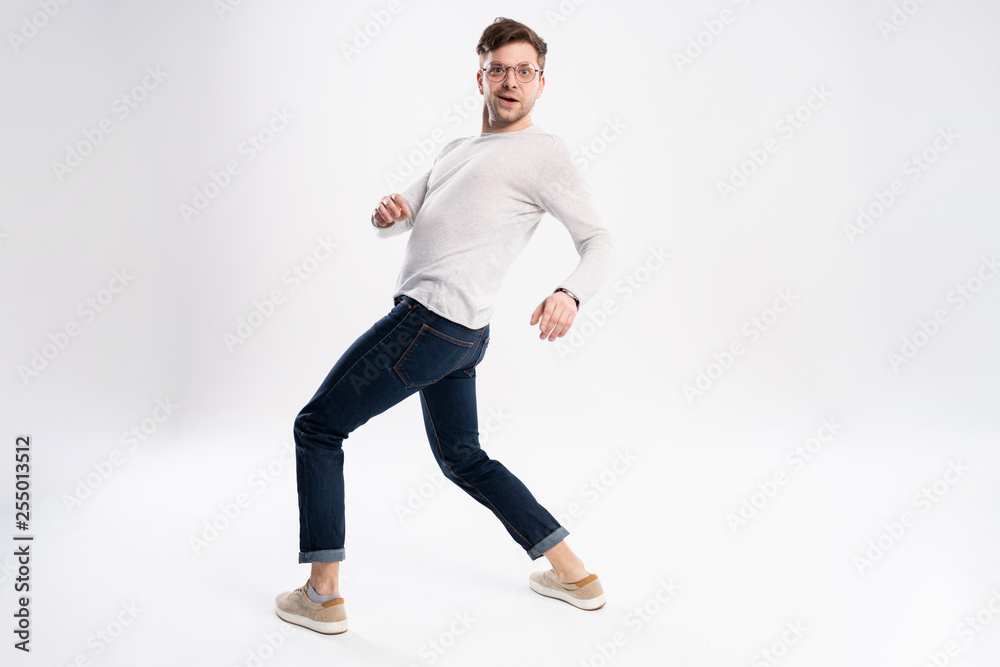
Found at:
(395, 213)
(563, 193)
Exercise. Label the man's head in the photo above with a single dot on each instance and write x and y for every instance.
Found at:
(510, 52)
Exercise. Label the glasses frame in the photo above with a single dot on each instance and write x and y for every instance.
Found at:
(535, 70)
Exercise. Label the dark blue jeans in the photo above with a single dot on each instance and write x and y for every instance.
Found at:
(409, 350)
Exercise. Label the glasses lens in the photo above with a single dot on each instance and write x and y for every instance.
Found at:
(525, 72)
(495, 71)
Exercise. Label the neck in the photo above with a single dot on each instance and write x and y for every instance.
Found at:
(517, 126)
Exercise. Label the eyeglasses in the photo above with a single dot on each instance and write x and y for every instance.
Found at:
(523, 72)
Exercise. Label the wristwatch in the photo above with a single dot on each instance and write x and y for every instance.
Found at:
(572, 296)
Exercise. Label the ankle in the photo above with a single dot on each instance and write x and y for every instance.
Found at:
(571, 575)
(325, 587)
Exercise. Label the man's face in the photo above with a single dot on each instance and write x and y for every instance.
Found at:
(509, 101)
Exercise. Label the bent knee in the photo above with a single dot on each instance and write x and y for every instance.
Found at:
(312, 431)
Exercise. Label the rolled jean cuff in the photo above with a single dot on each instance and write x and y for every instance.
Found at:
(322, 556)
(557, 536)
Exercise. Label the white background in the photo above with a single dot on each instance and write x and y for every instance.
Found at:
(823, 547)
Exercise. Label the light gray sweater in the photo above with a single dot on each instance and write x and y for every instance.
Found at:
(476, 208)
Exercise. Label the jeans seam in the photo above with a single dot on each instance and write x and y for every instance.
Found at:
(349, 371)
(322, 400)
(472, 486)
(482, 353)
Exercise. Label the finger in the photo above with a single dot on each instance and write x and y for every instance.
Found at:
(566, 319)
(387, 216)
(550, 321)
(564, 323)
(390, 208)
(404, 210)
(535, 316)
(544, 323)
(394, 211)
(382, 215)
(556, 330)
(561, 330)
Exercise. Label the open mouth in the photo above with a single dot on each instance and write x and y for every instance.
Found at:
(508, 100)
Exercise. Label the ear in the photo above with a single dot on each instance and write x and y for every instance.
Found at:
(479, 81)
(541, 86)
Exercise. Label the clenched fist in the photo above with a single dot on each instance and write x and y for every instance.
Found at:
(390, 210)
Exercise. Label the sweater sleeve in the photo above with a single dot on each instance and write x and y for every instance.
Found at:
(562, 192)
(414, 198)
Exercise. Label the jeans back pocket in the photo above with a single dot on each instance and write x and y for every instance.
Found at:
(430, 357)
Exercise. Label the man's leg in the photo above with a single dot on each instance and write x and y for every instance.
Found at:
(396, 357)
(451, 421)
(359, 386)
(399, 355)
(452, 424)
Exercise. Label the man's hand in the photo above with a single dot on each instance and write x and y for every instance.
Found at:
(390, 210)
(556, 315)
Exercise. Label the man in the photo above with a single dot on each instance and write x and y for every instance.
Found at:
(469, 216)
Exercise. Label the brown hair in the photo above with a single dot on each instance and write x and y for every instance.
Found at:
(505, 31)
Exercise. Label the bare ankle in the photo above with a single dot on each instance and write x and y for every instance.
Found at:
(567, 566)
(325, 587)
(571, 575)
(325, 578)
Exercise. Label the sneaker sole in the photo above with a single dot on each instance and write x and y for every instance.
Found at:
(331, 628)
(586, 605)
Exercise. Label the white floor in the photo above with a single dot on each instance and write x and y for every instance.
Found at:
(119, 581)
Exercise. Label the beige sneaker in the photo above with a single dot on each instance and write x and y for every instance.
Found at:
(586, 594)
(329, 618)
